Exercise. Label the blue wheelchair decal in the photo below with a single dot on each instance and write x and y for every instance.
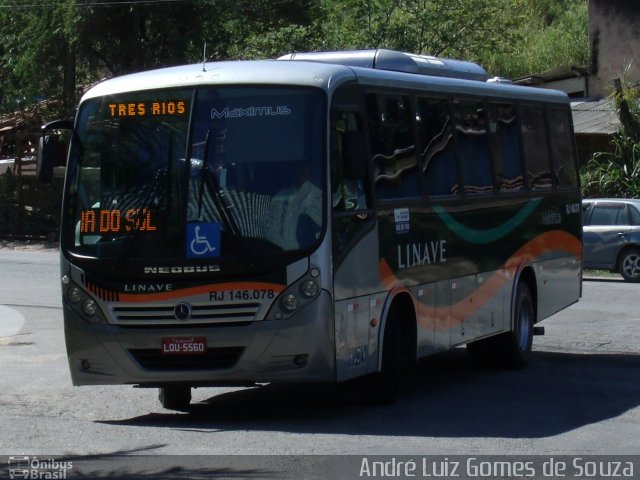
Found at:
(203, 240)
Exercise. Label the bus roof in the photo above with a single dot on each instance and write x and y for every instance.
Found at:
(257, 72)
(292, 72)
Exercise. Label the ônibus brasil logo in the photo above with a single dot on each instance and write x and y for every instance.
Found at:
(25, 467)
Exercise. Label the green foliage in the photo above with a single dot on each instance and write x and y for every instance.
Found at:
(52, 48)
(549, 34)
(459, 29)
(617, 173)
(614, 174)
(36, 47)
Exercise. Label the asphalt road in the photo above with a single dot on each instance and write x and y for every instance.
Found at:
(579, 395)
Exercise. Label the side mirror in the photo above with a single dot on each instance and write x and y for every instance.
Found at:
(52, 150)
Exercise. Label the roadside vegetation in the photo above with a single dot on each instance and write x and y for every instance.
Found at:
(51, 51)
(617, 173)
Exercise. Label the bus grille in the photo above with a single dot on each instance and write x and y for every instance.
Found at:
(201, 315)
(212, 359)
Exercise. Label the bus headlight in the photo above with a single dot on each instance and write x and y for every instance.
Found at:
(309, 288)
(296, 296)
(81, 302)
(90, 307)
(74, 294)
(289, 302)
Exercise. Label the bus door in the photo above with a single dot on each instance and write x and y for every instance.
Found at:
(355, 250)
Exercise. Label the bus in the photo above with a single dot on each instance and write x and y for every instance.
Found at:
(319, 217)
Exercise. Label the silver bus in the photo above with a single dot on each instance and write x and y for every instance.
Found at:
(321, 217)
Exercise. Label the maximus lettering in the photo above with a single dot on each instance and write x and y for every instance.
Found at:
(249, 112)
(419, 254)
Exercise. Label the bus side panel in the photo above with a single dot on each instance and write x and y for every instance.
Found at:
(357, 334)
(463, 326)
(359, 298)
(442, 340)
(478, 307)
(492, 313)
(426, 318)
(557, 285)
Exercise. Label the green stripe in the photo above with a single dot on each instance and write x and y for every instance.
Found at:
(492, 234)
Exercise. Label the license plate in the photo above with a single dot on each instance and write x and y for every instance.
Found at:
(184, 345)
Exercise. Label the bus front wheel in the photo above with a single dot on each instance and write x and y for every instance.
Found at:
(175, 398)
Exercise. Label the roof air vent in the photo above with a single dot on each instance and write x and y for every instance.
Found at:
(382, 59)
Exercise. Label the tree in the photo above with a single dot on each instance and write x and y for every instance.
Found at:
(456, 28)
(119, 38)
(37, 57)
(548, 34)
(49, 46)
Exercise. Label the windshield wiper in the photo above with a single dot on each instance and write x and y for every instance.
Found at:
(161, 174)
(222, 204)
(220, 199)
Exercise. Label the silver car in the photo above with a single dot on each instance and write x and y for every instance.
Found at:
(611, 235)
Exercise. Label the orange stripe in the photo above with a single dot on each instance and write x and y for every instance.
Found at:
(461, 311)
(199, 290)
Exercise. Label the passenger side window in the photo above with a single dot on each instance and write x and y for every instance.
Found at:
(348, 170)
(607, 215)
(505, 140)
(437, 151)
(395, 169)
(473, 146)
(536, 154)
(562, 153)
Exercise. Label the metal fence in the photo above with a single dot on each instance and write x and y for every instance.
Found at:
(28, 209)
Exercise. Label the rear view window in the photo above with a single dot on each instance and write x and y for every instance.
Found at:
(609, 215)
(536, 154)
(505, 138)
(473, 145)
(563, 160)
(393, 146)
(635, 215)
(437, 151)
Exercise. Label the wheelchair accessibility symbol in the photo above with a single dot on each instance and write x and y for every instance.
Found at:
(203, 240)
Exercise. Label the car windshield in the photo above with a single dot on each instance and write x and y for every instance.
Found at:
(181, 174)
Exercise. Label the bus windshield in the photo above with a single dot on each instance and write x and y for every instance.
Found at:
(212, 173)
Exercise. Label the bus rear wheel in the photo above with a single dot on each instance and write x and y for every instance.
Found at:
(175, 398)
(515, 350)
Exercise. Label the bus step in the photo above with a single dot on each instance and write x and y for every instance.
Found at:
(538, 330)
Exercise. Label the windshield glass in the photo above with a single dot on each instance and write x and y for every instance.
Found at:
(215, 173)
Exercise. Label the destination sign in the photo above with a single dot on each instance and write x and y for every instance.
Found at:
(104, 222)
(148, 108)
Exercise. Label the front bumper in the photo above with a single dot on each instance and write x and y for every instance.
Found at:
(300, 348)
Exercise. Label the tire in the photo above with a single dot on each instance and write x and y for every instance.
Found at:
(630, 265)
(515, 350)
(175, 398)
